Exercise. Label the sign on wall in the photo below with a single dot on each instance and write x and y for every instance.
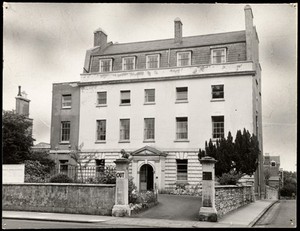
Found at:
(120, 174)
(13, 173)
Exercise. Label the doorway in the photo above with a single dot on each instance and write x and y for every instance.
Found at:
(146, 177)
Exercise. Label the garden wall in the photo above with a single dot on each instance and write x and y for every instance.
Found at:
(271, 193)
(59, 198)
(231, 197)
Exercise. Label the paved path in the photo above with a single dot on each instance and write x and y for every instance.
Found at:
(174, 207)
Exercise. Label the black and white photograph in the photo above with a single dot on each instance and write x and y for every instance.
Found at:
(149, 115)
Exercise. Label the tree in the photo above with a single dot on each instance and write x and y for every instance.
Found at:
(289, 184)
(238, 158)
(17, 140)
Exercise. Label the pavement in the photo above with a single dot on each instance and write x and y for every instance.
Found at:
(245, 216)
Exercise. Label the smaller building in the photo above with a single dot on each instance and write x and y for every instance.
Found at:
(272, 170)
(22, 107)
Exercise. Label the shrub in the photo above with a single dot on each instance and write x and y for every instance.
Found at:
(230, 178)
(60, 178)
(107, 177)
(132, 193)
(35, 172)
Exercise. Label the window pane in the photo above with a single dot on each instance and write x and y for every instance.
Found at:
(217, 91)
(219, 56)
(102, 97)
(181, 93)
(105, 65)
(128, 63)
(65, 131)
(100, 166)
(150, 95)
(125, 97)
(184, 59)
(101, 129)
(181, 169)
(181, 128)
(66, 101)
(218, 126)
(124, 129)
(149, 129)
(152, 61)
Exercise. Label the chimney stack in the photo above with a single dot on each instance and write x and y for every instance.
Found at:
(100, 38)
(22, 103)
(249, 31)
(19, 93)
(178, 30)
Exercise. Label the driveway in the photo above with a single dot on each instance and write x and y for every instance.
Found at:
(174, 207)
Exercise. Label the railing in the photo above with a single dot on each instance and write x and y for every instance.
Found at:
(84, 174)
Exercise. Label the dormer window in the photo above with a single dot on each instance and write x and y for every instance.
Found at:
(218, 55)
(152, 61)
(184, 58)
(105, 65)
(128, 63)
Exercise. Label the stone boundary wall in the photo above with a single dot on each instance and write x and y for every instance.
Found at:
(271, 193)
(231, 197)
(59, 198)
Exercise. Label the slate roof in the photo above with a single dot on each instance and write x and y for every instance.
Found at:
(192, 41)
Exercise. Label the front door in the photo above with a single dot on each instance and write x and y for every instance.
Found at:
(146, 177)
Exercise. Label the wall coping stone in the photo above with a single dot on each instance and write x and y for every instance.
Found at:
(232, 186)
(61, 184)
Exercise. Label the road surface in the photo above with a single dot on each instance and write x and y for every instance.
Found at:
(280, 215)
(174, 207)
(35, 224)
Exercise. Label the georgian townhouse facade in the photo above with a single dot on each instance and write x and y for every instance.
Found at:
(160, 101)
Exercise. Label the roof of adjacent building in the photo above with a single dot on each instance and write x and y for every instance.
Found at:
(41, 145)
(274, 178)
(192, 41)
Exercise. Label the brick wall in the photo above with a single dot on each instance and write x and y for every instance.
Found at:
(200, 55)
(59, 198)
(231, 197)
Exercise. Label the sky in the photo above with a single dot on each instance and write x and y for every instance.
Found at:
(45, 43)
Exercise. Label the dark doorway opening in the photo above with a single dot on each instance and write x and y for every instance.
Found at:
(146, 177)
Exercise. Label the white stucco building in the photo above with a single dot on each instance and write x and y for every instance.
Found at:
(160, 101)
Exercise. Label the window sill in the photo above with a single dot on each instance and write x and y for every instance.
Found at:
(183, 140)
(65, 108)
(64, 142)
(100, 142)
(217, 100)
(101, 105)
(149, 141)
(149, 103)
(124, 141)
(215, 139)
(125, 104)
(181, 101)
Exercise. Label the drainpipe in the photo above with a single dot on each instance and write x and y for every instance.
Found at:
(169, 57)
